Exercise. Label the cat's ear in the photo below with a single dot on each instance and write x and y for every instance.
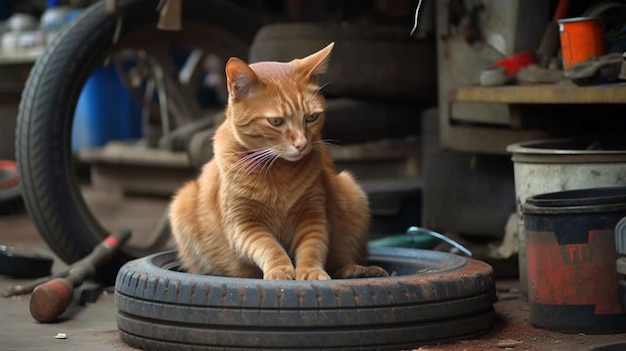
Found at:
(241, 78)
(315, 64)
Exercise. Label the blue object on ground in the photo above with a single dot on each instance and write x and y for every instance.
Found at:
(105, 111)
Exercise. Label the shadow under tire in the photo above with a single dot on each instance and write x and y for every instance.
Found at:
(10, 199)
(433, 297)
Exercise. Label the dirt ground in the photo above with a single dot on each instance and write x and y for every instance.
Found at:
(93, 326)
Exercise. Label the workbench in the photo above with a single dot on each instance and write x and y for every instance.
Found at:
(517, 98)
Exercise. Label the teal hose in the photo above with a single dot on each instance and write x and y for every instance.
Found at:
(416, 238)
(415, 241)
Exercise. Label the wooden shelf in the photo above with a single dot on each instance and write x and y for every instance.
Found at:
(22, 56)
(553, 94)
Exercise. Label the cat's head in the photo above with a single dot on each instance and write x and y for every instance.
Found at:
(277, 105)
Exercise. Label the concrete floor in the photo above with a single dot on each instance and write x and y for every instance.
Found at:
(93, 327)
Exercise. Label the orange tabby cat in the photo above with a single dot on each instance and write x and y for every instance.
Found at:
(270, 203)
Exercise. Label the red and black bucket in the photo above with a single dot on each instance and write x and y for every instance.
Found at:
(571, 259)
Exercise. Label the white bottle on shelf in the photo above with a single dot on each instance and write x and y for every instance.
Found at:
(53, 19)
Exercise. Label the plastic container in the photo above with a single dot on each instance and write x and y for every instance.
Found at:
(105, 111)
(515, 63)
(542, 166)
(53, 19)
(571, 255)
(8, 174)
(582, 39)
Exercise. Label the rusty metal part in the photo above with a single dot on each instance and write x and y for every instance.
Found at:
(155, 72)
(48, 303)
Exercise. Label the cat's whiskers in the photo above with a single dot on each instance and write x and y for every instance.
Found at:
(239, 162)
(314, 96)
(261, 161)
(320, 88)
(248, 160)
(276, 157)
(256, 162)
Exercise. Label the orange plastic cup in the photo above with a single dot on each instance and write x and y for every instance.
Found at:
(582, 38)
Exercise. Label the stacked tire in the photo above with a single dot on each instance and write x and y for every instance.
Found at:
(432, 297)
(379, 78)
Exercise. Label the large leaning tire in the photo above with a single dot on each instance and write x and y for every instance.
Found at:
(433, 297)
(376, 120)
(366, 62)
(43, 139)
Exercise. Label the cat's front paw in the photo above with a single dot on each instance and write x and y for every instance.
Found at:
(358, 271)
(311, 273)
(280, 273)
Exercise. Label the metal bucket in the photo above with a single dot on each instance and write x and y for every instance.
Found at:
(544, 166)
(571, 251)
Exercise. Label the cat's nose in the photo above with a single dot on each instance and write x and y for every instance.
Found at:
(300, 144)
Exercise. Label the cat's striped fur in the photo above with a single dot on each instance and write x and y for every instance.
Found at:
(270, 204)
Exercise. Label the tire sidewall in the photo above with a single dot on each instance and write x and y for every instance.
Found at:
(161, 308)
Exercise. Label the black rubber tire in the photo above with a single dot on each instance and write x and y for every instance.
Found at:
(376, 120)
(367, 61)
(43, 138)
(160, 308)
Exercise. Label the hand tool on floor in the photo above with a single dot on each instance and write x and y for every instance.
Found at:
(21, 289)
(52, 298)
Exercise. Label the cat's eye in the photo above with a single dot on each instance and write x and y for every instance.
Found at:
(312, 117)
(276, 121)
